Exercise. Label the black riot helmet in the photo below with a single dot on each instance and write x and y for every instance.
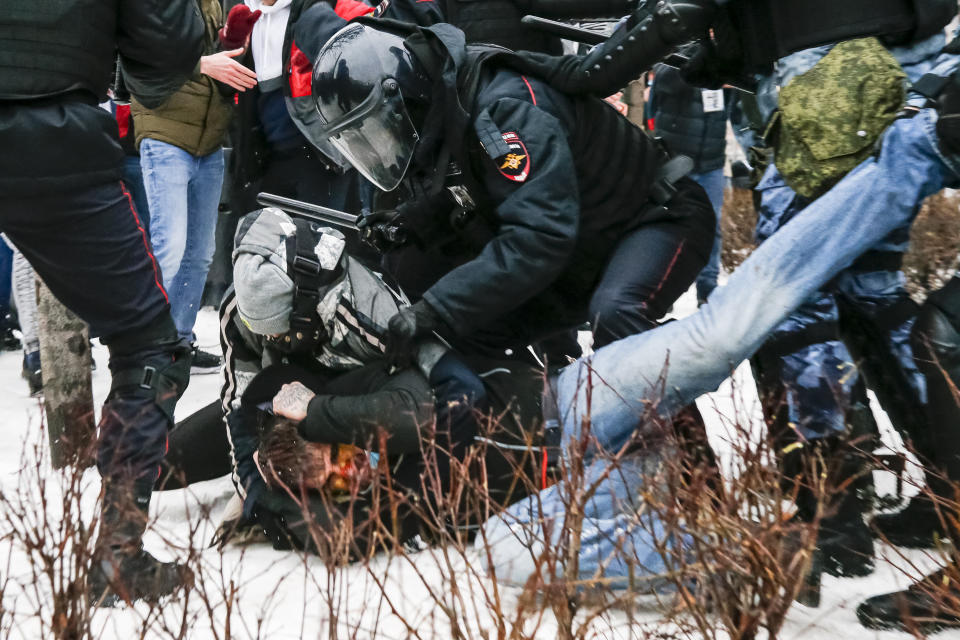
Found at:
(366, 84)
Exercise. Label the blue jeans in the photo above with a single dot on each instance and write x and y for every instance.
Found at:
(712, 183)
(674, 364)
(183, 194)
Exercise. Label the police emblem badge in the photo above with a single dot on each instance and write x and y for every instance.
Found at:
(514, 165)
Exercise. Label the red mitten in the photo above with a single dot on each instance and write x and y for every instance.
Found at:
(240, 23)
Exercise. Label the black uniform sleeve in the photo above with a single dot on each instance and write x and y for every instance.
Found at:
(160, 43)
(537, 218)
(368, 402)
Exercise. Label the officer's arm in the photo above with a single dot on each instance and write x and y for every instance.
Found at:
(534, 181)
(160, 46)
(654, 31)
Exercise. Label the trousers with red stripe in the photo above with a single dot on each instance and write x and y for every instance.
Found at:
(92, 250)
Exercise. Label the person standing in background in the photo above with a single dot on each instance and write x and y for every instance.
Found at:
(182, 161)
(693, 122)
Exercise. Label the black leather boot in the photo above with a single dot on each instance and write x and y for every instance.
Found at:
(122, 569)
(930, 604)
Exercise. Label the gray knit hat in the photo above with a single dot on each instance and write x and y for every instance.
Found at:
(264, 288)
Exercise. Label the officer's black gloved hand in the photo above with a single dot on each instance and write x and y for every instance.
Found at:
(405, 327)
(707, 68)
(382, 230)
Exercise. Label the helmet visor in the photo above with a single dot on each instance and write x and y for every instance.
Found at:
(377, 137)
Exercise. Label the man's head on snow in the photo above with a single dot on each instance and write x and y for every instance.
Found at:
(265, 248)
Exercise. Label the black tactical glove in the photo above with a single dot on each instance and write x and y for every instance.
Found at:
(405, 327)
(717, 58)
(382, 230)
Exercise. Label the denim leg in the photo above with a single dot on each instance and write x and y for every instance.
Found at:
(712, 182)
(166, 176)
(617, 538)
(695, 354)
(25, 295)
(679, 361)
(186, 288)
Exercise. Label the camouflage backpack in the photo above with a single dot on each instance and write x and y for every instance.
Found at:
(831, 116)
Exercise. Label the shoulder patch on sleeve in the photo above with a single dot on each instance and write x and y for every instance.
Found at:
(515, 164)
(489, 135)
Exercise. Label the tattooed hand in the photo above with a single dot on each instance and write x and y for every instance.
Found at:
(292, 401)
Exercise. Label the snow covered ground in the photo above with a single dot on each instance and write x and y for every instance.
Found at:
(282, 595)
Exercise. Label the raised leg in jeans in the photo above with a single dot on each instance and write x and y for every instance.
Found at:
(694, 355)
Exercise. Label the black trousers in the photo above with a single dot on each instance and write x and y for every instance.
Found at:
(93, 252)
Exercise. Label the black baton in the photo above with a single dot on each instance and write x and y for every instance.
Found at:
(312, 212)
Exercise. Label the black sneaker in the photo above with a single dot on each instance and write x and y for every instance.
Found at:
(917, 526)
(204, 362)
(138, 576)
(928, 605)
(31, 373)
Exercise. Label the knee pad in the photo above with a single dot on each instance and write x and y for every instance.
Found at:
(150, 362)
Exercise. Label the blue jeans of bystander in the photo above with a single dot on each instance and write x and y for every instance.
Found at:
(712, 183)
(183, 194)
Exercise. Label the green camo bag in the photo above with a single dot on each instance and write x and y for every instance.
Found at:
(831, 116)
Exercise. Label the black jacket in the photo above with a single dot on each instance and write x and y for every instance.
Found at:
(55, 66)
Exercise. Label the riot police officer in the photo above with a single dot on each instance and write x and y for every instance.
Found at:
(519, 211)
(63, 205)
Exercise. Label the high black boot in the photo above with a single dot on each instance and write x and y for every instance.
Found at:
(829, 466)
(844, 542)
(926, 606)
(122, 569)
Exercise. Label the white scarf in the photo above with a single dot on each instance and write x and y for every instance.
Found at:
(267, 38)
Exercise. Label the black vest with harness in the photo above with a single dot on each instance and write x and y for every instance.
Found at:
(37, 37)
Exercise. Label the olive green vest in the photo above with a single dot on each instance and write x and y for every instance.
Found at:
(196, 117)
